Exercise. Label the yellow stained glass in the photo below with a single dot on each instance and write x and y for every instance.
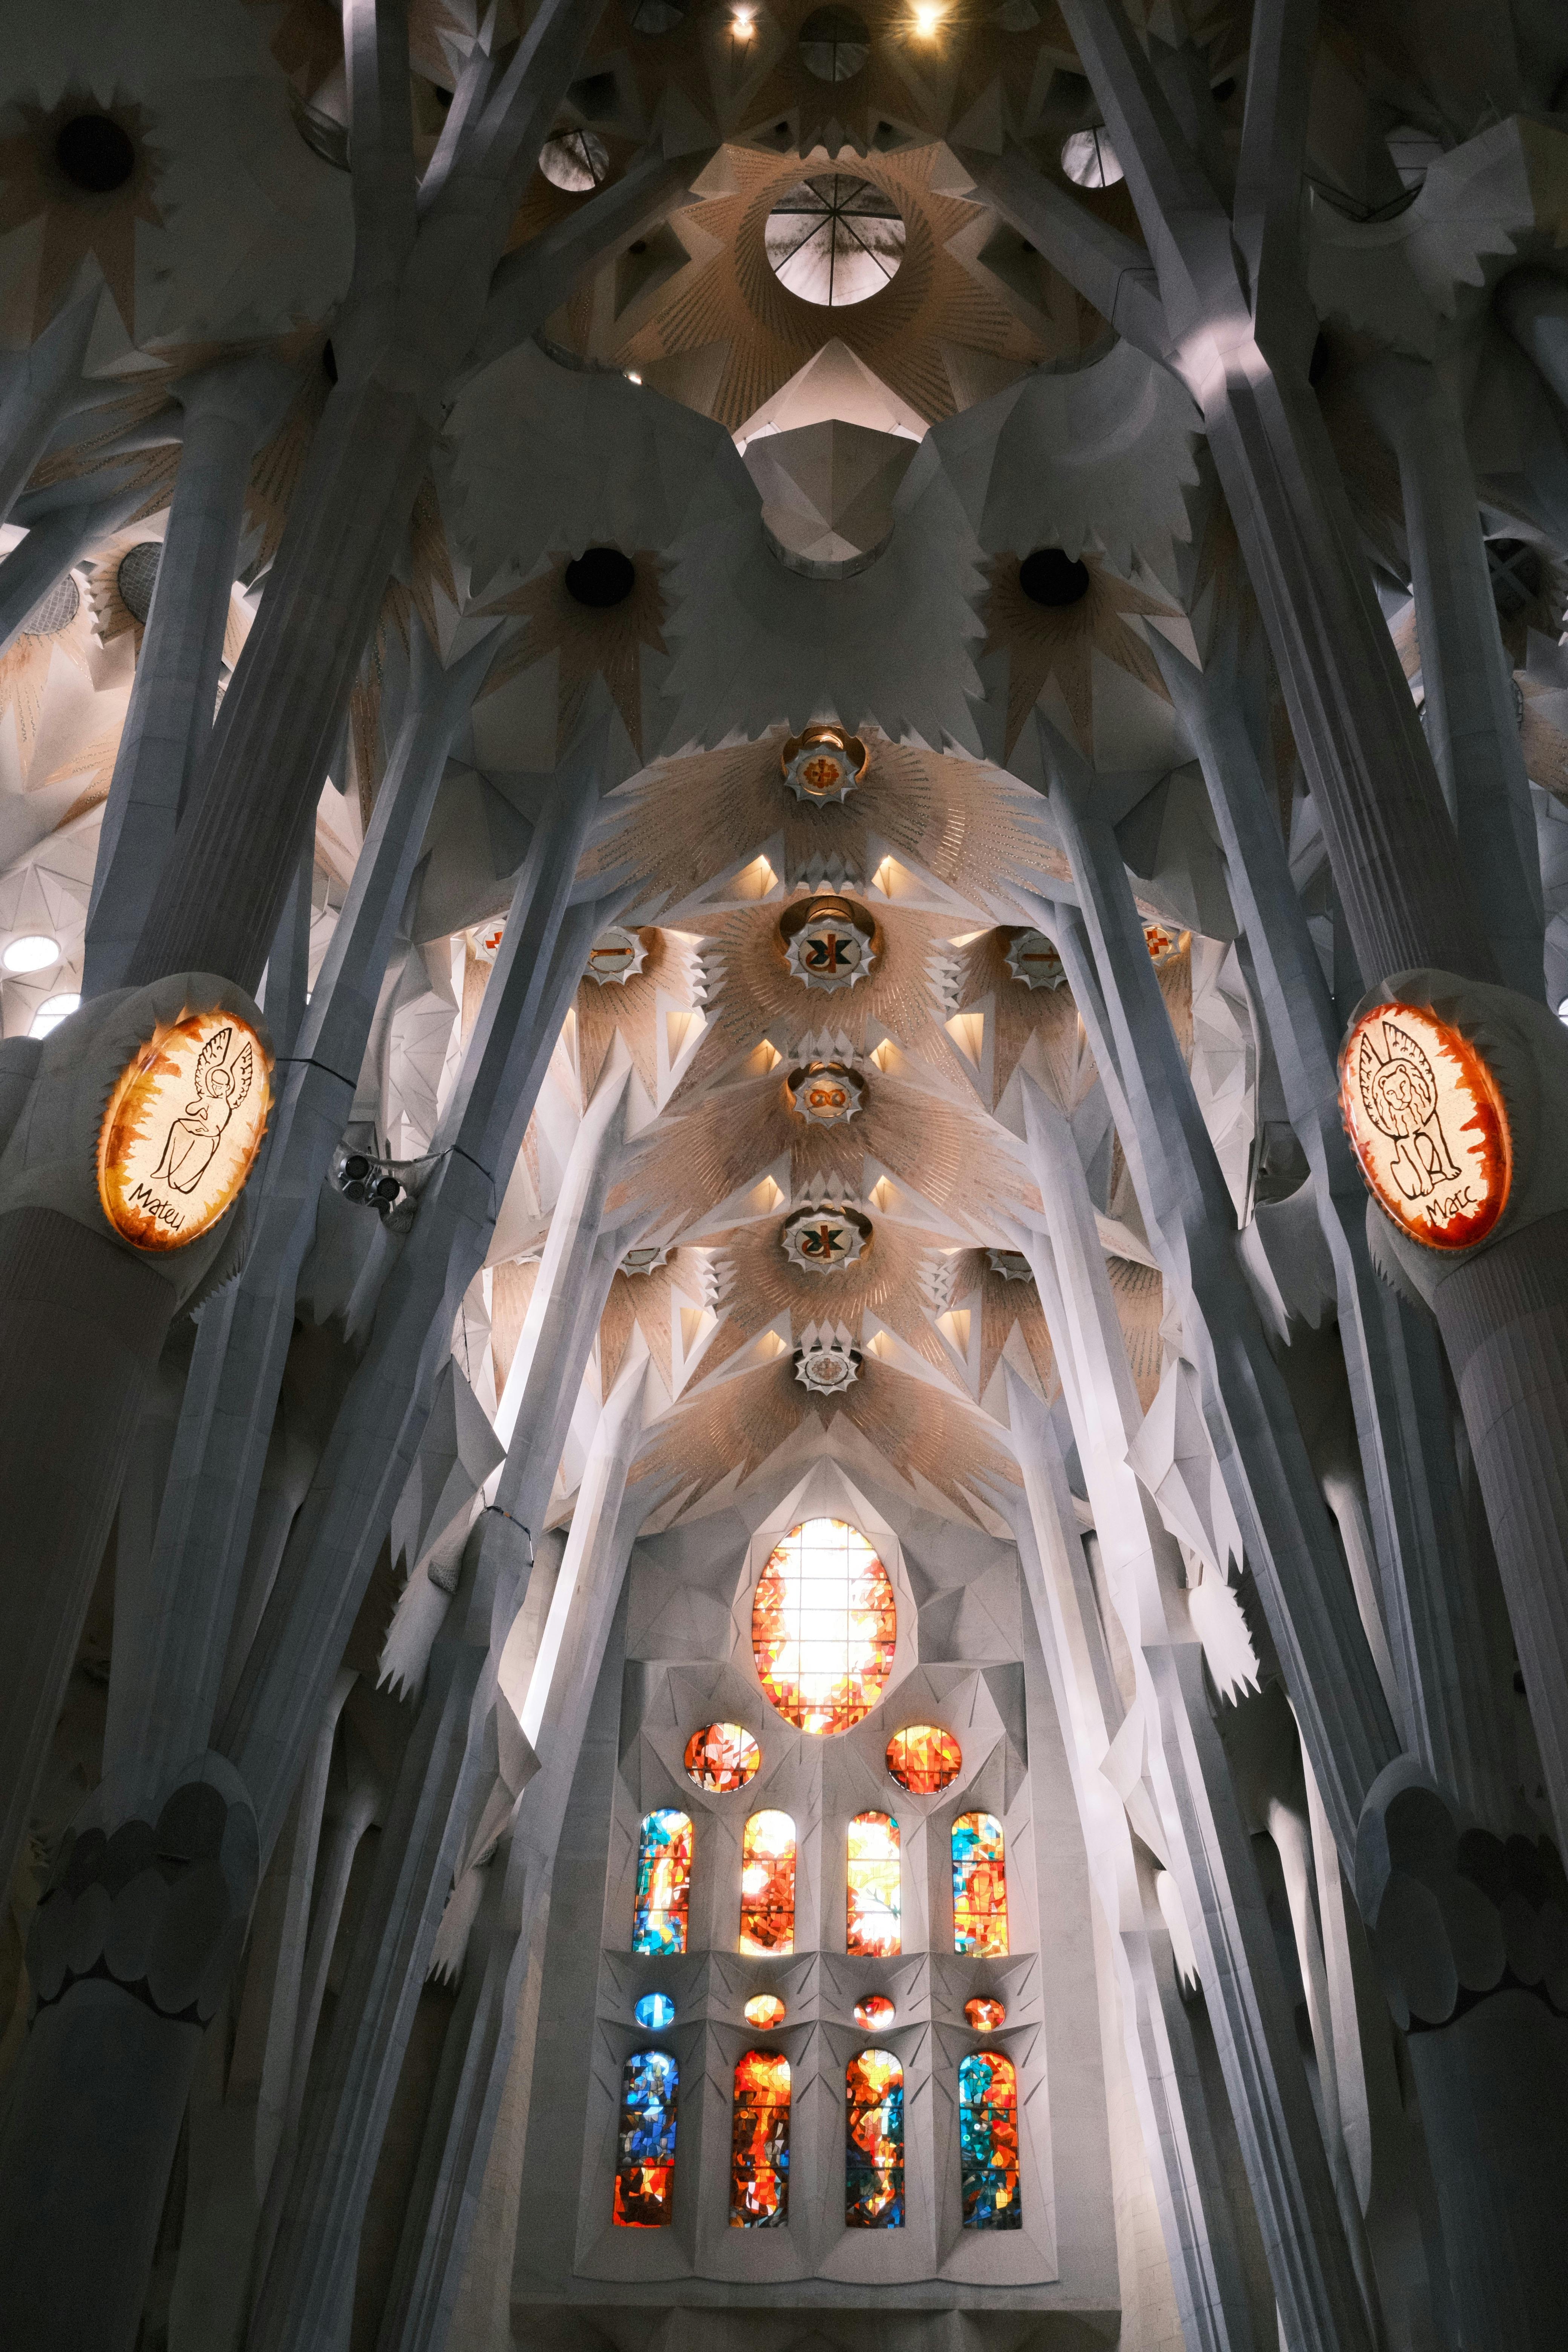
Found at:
(874, 2147)
(824, 1626)
(759, 2143)
(978, 1887)
(985, 2015)
(924, 1760)
(767, 1885)
(764, 2011)
(875, 2012)
(874, 1901)
(722, 1756)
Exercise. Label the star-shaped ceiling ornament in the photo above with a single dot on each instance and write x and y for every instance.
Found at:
(588, 639)
(1058, 643)
(81, 173)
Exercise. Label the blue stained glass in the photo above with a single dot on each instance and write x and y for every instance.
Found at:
(664, 1884)
(988, 2141)
(874, 2150)
(645, 2150)
(654, 2012)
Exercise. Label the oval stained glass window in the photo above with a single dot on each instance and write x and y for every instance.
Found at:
(875, 2012)
(722, 1756)
(924, 1760)
(764, 2011)
(654, 2012)
(824, 1626)
(985, 2015)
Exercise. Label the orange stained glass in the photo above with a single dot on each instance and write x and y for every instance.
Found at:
(874, 2142)
(924, 1760)
(824, 1626)
(758, 2142)
(875, 2012)
(722, 1756)
(664, 1883)
(874, 1901)
(988, 2141)
(767, 1885)
(645, 2146)
(764, 2011)
(978, 1887)
(984, 2015)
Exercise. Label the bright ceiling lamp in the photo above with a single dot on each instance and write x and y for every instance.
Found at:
(33, 953)
(51, 1013)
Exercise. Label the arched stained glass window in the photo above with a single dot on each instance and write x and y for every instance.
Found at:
(978, 1887)
(645, 2151)
(767, 1885)
(873, 1883)
(759, 2143)
(874, 2144)
(664, 1883)
(988, 2141)
(824, 1626)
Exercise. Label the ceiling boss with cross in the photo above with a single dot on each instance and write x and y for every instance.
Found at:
(825, 1237)
(822, 765)
(829, 942)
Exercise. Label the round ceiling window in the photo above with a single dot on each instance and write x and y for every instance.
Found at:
(835, 239)
(824, 1626)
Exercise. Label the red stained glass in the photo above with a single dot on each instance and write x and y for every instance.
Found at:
(875, 1903)
(924, 1760)
(874, 2144)
(767, 1885)
(875, 2012)
(722, 1756)
(824, 1626)
(978, 1887)
(764, 2011)
(985, 2016)
(1428, 1123)
(759, 2143)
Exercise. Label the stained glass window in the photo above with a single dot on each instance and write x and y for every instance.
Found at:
(654, 2012)
(988, 2141)
(823, 1625)
(664, 1883)
(645, 2154)
(924, 1760)
(873, 1884)
(985, 2015)
(767, 1885)
(875, 2012)
(874, 2145)
(759, 2143)
(722, 1756)
(978, 1887)
(764, 2011)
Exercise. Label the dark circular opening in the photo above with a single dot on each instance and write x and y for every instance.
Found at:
(95, 153)
(601, 576)
(1051, 576)
(137, 577)
(385, 1190)
(356, 1166)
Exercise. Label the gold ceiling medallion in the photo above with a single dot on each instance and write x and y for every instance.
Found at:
(486, 938)
(183, 1125)
(825, 1362)
(617, 956)
(1032, 958)
(1164, 943)
(822, 765)
(825, 1094)
(1427, 1118)
(830, 943)
(826, 1236)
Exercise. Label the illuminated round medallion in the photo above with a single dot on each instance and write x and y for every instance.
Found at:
(831, 944)
(654, 2012)
(985, 2016)
(874, 2012)
(1427, 1123)
(1162, 943)
(764, 2011)
(825, 1094)
(617, 955)
(722, 1756)
(924, 1760)
(1032, 958)
(822, 765)
(824, 1626)
(488, 938)
(184, 1122)
(826, 1236)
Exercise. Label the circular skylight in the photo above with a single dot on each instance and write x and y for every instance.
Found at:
(1089, 160)
(835, 239)
(576, 161)
(33, 953)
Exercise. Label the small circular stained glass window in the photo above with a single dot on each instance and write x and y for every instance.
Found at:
(985, 2016)
(654, 2012)
(835, 239)
(924, 1760)
(874, 2012)
(764, 2011)
(722, 1756)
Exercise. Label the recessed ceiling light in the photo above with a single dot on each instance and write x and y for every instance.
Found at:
(51, 1013)
(32, 952)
